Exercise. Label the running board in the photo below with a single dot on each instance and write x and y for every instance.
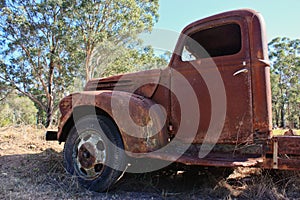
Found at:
(221, 160)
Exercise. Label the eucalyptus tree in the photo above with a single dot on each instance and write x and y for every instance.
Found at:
(108, 29)
(285, 80)
(37, 50)
(45, 44)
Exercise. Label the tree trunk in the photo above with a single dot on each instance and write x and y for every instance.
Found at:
(50, 95)
(88, 57)
(276, 118)
(49, 112)
(282, 123)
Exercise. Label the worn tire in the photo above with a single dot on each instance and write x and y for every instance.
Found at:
(89, 155)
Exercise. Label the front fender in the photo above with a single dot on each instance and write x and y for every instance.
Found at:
(142, 127)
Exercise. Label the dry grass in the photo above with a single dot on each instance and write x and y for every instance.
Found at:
(31, 168)
(280, 131)
(274, 185)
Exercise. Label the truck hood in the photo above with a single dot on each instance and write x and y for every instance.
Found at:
(143, 83)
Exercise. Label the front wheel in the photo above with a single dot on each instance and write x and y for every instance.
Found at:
(94, 152)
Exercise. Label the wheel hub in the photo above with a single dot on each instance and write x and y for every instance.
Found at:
(90, 154)
(86, 155)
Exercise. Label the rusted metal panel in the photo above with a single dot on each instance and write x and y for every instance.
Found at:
(139, 112)
(239, 116)
(213, 159)
(283, 163)
(283, 152)
(262, 105)
(143, 83)
(289, 145)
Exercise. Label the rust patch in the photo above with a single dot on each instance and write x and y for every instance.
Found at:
(86, 155)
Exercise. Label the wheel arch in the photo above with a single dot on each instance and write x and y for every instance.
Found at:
(87, 103)
(81, 111)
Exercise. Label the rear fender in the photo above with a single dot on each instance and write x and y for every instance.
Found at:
(141, 121)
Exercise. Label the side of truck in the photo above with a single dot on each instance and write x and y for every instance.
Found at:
(211, 106)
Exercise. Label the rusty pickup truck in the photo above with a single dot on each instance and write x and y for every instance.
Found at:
(210, 106)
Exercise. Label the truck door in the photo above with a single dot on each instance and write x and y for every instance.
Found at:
(213, 55)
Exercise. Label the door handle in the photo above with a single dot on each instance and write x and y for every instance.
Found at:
(240, 71)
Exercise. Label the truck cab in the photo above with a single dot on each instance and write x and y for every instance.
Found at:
(210, 106)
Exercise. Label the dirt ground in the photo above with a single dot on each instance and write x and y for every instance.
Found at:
(31, 168)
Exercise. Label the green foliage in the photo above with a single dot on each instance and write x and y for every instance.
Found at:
(285, 80)
(37, 52)
(45, 45)
(124, 59)
(104, 26)
(17, 109)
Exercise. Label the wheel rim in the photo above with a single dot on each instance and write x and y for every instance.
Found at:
(89, 155)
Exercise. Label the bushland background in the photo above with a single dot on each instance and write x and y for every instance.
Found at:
(49, 49)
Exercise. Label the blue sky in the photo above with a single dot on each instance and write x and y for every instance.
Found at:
(282, 17)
